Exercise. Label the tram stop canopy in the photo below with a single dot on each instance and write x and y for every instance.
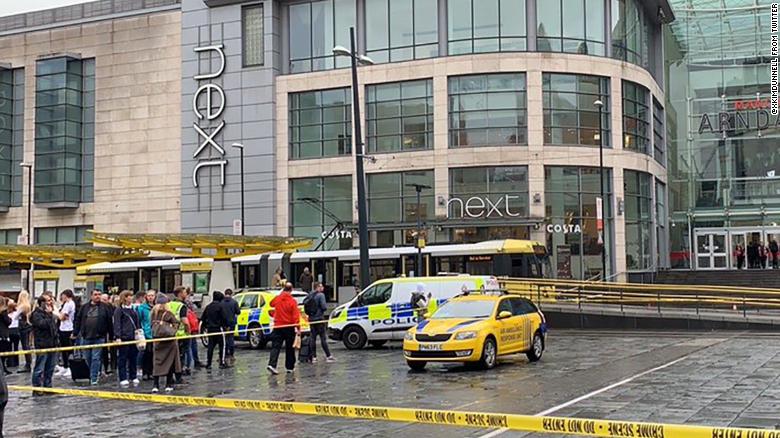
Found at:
(215, 246)
(66, 257)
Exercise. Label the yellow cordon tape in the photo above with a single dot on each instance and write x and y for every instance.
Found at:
(147, 341)
(526, 423)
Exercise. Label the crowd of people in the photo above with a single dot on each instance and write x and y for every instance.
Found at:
(138, 319)
(758, 255)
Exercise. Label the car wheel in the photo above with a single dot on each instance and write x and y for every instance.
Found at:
(256, 338)
(354, 338)
(377, 344)
(489, 354)
(537, 348)
(416, 365)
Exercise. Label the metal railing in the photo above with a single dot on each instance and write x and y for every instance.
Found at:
(693, 299)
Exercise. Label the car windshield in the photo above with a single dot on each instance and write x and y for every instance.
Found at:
(465, 309)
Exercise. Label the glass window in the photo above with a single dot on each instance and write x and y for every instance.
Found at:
(9, 237)
(399, 116)
(570, 116)
(320, 123)
(60, 124)
(571, 26)
(399, 30)
(377, 294)
(636, 118)
(479, 26)
(639, 221)
(249, 302)
(506, 188)
(11, 136)
(75, 235)
(393, 199)
(631, 32)
(315, 28)
(487, 110)
(252, 39)
(659, 139)
(318, 205)
(573, 237)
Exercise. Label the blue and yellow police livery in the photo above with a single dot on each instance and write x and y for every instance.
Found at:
(256, 308)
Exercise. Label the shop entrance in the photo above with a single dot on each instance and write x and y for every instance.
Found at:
(736, 248)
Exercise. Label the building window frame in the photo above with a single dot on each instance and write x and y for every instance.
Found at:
(636, 118)
(659, 134)
(377, 120)
(77, 231)
(583, 116)
(339, 25)
(477, 99)
(249, 58)
(324, 118)
(400, 52)
(560, 38)
(493, 176)
(403, 197)
(504, 40)
(638, 199)
(324, 210)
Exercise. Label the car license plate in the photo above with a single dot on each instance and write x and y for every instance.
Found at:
(430, 347)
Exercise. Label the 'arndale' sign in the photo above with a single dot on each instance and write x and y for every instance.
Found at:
(747, 115)
(481, 207)
(213, 110)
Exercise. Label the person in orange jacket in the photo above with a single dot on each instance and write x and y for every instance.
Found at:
(287, 318)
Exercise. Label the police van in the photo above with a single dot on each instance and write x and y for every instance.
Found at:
(384, 310)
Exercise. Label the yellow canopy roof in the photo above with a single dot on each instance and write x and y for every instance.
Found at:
(216, 246)
(65, 256)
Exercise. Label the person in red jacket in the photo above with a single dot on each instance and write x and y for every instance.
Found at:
(287, 318)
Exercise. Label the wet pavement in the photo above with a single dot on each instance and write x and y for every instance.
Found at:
(723, 378)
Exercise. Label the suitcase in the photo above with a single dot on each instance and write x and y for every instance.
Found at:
(304, 354)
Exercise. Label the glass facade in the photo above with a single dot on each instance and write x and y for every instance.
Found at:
(659, 136)
(317, 205)
(320, 123)
(11, 136)
(10, 237)
(252, 38)
(723, 159)
(399, 116)
(487, 110)
(632, 33)
(479, 26)
(399, 30)
(638, 195)
(570, 215)
(571, 26)
(88, 132)
(58, 130)
(75, 235)
(636, 118)
(315, 27)
(570, 117)
(391, 199)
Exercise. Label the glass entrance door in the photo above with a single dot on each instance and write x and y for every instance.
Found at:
(711, 250)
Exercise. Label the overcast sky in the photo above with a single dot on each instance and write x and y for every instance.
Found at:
(10, 7)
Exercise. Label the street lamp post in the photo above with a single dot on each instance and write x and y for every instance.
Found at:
(29, 167)
(365, 275)
(419, 188)
(600, 105)
(240, 147)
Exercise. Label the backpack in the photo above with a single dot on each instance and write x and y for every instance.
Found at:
(310, 305)
(192, 318)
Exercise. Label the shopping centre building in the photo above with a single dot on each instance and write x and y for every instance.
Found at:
(135, 114)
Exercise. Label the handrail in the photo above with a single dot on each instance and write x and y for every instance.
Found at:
(642, 286)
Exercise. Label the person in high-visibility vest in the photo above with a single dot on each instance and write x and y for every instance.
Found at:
(179, 308)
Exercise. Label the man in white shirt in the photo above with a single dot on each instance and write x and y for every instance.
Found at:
(67, 315)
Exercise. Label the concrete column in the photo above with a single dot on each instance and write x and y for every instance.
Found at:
(441, 142)
(221, 278)
(535, 150)
(67, 280)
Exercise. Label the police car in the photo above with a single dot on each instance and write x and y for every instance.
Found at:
(477, 328)
(384, 311)
(255, 305)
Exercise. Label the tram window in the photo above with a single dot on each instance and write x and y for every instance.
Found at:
(534, 268)
(377, 294)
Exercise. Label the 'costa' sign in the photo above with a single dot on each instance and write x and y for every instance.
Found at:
(214, 103)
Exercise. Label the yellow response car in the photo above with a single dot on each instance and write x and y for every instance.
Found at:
(477, 329)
